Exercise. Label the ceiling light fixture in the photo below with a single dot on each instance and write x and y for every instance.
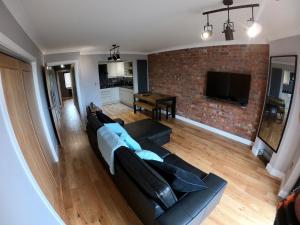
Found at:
(114, 54)
(254, 28)
(228, 28)
(62, 66)
(208, 30)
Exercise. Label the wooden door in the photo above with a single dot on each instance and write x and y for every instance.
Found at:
(54, 99)
(13, 75)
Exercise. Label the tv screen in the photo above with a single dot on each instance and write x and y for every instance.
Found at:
(233, 87)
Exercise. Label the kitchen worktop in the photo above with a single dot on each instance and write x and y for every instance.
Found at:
(119, 86)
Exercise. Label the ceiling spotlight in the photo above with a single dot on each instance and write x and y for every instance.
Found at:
(254, 28)
(228, 29)
(208, 31)
(114, 54)
(62, 66)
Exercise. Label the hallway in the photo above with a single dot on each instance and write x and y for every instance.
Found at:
(90, 197)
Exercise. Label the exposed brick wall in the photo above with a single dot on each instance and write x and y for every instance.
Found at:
(183, 73)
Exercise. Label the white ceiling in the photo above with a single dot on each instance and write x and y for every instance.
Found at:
(143, 25)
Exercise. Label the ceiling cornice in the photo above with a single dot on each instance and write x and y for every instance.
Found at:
(210, 44)
(92, 52)
(107, 53)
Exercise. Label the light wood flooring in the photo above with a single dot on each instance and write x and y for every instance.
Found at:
(90, 196)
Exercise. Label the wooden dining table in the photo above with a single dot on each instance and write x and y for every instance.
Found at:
(156, 99)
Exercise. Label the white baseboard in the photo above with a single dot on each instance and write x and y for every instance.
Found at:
(216, 130)
(274, 172)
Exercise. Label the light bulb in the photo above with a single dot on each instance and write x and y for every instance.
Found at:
(254, 30)
(206, 35)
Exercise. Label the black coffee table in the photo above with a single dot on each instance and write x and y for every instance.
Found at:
(149, 129)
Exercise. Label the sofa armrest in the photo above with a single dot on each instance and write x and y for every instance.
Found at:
(194, 207)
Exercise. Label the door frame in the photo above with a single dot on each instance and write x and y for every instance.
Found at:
(19, 51)
(77, 81)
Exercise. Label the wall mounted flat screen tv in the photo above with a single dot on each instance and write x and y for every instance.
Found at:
(232, 87)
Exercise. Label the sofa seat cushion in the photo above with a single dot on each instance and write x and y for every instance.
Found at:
(175, 160)
(150, 145)
(150, 129)
(179, 179)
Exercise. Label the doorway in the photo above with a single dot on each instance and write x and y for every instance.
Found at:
(61, 86)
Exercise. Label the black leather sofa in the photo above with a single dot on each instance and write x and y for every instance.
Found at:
(145, 190)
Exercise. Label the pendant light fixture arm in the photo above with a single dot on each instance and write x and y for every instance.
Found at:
(228, 27)
(231, 8)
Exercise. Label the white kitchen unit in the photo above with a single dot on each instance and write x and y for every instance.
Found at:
(126, 96)
(116, 95)
(109, 95)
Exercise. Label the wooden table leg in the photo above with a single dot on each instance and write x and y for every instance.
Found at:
(174, 108)
(134, 106)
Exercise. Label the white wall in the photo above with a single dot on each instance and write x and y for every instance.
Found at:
(286, 158)
(62, 57)
(22, 202)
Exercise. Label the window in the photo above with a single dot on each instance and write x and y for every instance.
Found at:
(68, 81)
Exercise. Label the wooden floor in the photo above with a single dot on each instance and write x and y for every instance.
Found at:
(90, 197)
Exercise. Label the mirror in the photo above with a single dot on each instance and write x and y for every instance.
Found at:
(282, 77)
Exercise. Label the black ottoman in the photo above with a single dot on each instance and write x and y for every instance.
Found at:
(149, 129)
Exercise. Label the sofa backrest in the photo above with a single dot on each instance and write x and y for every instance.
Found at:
(147, 179)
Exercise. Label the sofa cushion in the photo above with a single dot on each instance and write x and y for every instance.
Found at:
(147, 129)
(177, 161)
(148, 155)
(104, 118)
(180, 180)
(150, 145)
(147, 179)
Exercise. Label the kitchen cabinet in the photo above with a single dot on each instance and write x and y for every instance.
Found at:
(116, 95)
(109, 95)
(126, 96)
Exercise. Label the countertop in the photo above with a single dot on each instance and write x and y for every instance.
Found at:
(127, 87)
